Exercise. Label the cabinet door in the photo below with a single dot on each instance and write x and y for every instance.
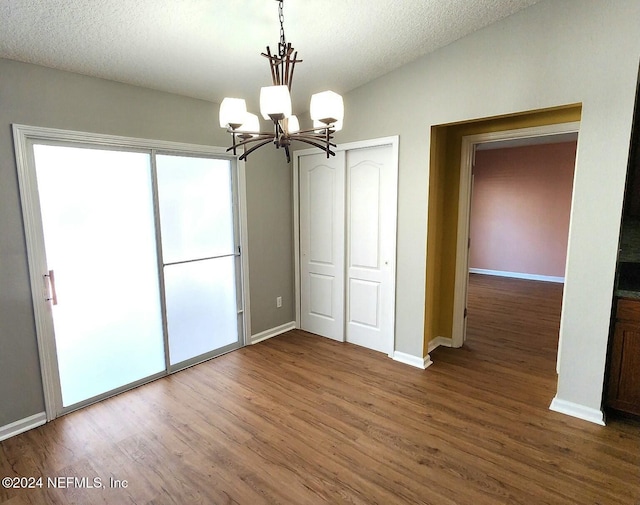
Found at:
(624, 386)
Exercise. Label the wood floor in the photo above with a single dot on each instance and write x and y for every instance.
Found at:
(299, 419)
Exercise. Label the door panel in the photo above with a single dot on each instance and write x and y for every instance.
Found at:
(201, 307)
(321, 187)
(196, 207)
(321, 288)
(364, 219)
(200, 262)
(364, 302)
(371, 232)
(98, 225)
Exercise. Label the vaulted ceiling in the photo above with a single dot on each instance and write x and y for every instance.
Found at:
(210, 49)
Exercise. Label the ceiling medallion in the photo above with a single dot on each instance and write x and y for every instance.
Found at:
(326, 109)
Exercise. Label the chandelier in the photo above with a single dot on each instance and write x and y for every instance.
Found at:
(326, 109)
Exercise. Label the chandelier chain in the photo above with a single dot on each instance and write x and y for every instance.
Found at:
(283, 42)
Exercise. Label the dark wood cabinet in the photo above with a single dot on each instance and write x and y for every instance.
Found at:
(623, 379)
(623, 391)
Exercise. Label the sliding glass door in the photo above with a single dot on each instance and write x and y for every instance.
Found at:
(142, 264)
(102, 278)
(200, 253)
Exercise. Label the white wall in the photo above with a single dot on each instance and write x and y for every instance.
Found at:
(553, 53)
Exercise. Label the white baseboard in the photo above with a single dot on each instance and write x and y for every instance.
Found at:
(409, 359)
(576, 410)
(517, 275)
(273, 332)
(22, 425)
(439, 341)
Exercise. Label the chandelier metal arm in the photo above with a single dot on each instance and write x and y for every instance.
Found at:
(317, 137)
(318, 140)
(272, 67)
(311, 134)
(314, 143)
(264, 136)
(320, 132)
(257, 146)
(282, 67)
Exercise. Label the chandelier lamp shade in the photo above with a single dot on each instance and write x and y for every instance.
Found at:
(326, 110)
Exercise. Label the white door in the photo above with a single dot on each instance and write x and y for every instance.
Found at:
(99, 238)
(348, 212)
(321, 187)
(371, 241)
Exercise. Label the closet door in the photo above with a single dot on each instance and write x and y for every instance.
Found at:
(371, 242)
(347, 223)
(321, 197)
(200, 257)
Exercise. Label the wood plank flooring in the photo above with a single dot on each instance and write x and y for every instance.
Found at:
(300, 419)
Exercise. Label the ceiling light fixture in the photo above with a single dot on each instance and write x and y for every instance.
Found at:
(326, 109)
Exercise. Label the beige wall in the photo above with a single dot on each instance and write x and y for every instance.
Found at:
(269, 187)
(520, 208)
(40, 96)
(551, 54)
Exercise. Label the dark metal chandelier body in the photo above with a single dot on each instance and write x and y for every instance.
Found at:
(326, 109)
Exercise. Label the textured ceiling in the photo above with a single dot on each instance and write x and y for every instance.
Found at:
(210, 49)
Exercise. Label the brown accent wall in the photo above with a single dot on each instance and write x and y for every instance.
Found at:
(520, 208)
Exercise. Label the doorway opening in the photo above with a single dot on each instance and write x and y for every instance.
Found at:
(449, 197)
(519, 212)
(521, 209)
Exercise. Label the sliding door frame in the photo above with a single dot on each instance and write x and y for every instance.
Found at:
(24, 137)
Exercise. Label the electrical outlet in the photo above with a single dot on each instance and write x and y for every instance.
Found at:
(279, 302)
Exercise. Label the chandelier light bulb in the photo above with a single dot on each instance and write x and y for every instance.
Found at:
(232, 112)
(251, 124)
(275, 102)
(327, 107)
(293, 124)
